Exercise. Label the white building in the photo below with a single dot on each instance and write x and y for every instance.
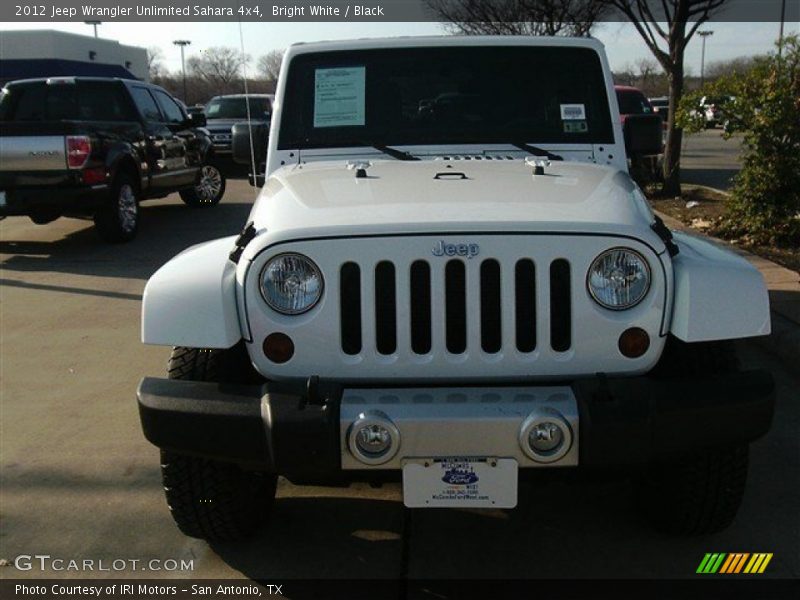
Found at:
(64, 51)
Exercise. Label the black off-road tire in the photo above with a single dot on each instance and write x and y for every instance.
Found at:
(208, 189)
(698, 359)
(117, 220)
(215, 501)
(209, 499)
(697, 494)
(222, 366)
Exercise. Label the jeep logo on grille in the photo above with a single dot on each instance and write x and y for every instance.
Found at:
(442, 248)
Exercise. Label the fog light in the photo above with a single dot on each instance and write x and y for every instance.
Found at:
(545, 435)
(278, 347)
(373, 438)
(634, 342)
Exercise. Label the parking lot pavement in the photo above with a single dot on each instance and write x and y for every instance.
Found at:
(708, 159)
(78, 480)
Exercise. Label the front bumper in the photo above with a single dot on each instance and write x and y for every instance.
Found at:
(299, 431)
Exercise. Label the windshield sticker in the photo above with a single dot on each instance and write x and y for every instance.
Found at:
(573, 112)
(575, 127)
(339, 97)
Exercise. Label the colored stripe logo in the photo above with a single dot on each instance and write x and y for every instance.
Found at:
(734, 563)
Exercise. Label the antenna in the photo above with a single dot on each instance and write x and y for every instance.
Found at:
(249, 116)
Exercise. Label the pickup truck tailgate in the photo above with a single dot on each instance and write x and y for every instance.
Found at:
(32, 153)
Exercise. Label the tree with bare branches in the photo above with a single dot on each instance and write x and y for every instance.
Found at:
(269, 65)
(219, 68)
(666, 28)
(519, 17)
(155, 68)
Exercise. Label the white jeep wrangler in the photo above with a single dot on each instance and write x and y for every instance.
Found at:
(449, 278)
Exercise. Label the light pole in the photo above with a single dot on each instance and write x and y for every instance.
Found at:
(780, 35)
(183, 44)
(704, 35)
(94, 24)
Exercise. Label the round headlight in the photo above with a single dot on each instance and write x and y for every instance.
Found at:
(619, 278)
(291, 284)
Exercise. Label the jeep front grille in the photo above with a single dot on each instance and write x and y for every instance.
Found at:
(458, 315)
(393, 310)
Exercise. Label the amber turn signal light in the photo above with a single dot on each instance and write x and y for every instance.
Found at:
(634, 342)
(278, 347)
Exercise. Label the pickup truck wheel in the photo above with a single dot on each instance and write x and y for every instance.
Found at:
(208, 190)
(209, 499)
(118, 220)
(696, 494)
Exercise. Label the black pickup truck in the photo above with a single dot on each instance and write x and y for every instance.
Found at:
(97, 147)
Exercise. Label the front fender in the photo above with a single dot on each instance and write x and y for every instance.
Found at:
(191, 300)
(718, 295)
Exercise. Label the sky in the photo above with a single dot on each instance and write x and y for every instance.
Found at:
(623, 44)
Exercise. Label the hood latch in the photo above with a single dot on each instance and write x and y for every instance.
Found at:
(360, 167)
(538, 164)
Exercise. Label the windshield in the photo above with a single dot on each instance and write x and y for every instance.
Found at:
(448, 95)
(235, 108)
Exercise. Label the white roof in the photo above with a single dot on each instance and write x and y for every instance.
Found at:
(443, 41)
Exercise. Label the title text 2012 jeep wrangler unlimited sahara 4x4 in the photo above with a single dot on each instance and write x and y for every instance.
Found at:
(422, 291)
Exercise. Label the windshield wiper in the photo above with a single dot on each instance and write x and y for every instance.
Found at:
(536, 151)
(393, 152)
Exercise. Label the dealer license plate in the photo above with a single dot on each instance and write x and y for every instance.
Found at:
(460, 482)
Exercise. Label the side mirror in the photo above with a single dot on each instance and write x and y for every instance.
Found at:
(240, 143)
(642, 135)
(197, 120)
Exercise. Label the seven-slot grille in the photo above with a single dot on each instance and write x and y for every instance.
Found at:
(387, 295)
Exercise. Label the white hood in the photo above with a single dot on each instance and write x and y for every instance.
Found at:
(327, 199)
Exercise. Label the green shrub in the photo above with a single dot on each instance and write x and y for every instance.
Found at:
(764, 207)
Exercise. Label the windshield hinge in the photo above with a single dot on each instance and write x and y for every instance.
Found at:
(665, 234)
(247, 235)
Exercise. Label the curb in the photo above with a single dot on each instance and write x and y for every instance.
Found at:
(784, 341)
(707, 187)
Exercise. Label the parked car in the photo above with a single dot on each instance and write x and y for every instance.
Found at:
(453, 303)
(632, 101)
(222, 112)
(634, 106)
(713, 110)
(81, 146)
(661, 107)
